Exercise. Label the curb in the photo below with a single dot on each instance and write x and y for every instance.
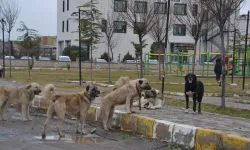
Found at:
(187, 136)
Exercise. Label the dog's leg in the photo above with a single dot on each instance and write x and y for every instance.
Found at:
(2, 107)
(131, 105)
(194, 102)
(49, 116)
(110, 118)
(199, 101)
(83, 115)
(24, 112)
(77, 122)
(105, 116)
(127, 105)
(28, 112)
(59, 127)
(187, 103)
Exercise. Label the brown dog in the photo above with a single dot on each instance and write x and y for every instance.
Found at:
(120, 82)
(23, 95)
(76, 104)
(122, 95)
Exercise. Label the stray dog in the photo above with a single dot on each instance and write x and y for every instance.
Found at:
(23, 95)
(76, 104)
(195, 89)
(47, 93)
(120, 82)
(150, 100)
(122, 95)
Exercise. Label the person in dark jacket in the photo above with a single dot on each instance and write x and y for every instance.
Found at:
(218, 70)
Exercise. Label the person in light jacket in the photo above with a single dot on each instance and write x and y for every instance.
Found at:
(218, 70)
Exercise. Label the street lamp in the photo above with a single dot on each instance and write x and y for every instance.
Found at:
(80, 56)
(2, 21)
(165, 52)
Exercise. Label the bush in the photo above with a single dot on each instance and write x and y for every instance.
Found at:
(153, 50)
(127, 57)
(105, 56)
(71, 51)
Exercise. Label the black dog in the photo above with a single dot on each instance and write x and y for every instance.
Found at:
(197, 87)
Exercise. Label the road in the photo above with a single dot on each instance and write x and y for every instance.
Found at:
(18, 135)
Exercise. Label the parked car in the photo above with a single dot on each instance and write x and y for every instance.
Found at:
(9, 57)
(101, 61)
(64, 58)
(25, 58)
(153, 61)
(44, 58)
(129, 61)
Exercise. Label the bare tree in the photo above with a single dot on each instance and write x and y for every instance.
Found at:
(198, 22)
(222, 10)
(140, 17)
(108, 29)
(10, 11)
(158, 32)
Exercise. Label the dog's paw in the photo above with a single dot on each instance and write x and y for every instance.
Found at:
(106, 129)
(186, 111)
(29, 119)
(111, 129)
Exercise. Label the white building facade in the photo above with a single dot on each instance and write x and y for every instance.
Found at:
(178, 37)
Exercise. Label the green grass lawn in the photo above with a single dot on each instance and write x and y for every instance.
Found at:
(59, 78)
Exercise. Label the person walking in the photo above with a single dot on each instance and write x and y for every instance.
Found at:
(218, 70)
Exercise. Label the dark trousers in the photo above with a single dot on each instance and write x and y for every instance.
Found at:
(218, 77)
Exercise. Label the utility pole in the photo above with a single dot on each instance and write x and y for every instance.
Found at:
(244, 71)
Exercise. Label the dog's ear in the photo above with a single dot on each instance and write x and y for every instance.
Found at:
(87, 88)
(29, 86)
(186, 77)
(195, 78)
(140, 81)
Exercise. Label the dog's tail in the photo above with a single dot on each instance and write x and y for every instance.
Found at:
(49, 91)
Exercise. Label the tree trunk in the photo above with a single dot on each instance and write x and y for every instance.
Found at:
(109, 61)
(159, 59)
(141, 63)
(10, 46)
(223, 103)
(136, 58)
(194, 57)
(112, 54)
(91, 65)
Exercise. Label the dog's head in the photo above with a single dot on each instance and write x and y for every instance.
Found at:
(149, 93)
(190, 78)
(144, 84)
(92, 91)
(34, 88)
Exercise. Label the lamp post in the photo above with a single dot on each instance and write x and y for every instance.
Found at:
(244, 69)
(2, 21)
(80, 56)
(165, 52)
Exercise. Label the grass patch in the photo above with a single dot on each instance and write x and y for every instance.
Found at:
(234, 112)
(59, 78)
(125, 136)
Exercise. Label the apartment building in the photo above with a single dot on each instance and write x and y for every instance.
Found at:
(179, 38)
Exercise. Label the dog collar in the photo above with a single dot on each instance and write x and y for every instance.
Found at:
(87, 96)
(137, 90)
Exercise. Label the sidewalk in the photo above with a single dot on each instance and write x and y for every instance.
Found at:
(224, 123)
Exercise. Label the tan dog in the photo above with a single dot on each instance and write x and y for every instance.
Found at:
(122, 95)
(76, 104)
(23, 95)
(47, 93)
(120, 82)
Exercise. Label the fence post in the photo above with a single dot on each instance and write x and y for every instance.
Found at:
(207, 62)
(170, 65)
(202, 63)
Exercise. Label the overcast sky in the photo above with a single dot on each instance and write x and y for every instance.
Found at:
(41, 15)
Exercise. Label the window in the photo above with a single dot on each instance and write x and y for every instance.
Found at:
(195, 10)
(67, 4)
(120, 27)
(139, 27)
(180, 9)
(62, 26)
(179, 30)
(120, 5)
(140, 7)
(67, 43)
(104, 25)
(67, 28)
(63, 5)
(160, 8)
